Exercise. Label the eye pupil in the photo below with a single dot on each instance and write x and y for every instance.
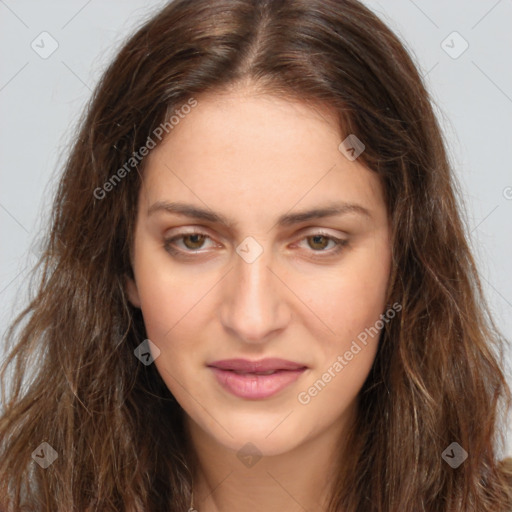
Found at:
(315, 238)
(194, 241)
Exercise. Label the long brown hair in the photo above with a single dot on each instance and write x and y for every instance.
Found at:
(115, 427)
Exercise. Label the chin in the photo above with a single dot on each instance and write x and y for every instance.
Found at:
(269, 438)
(261, 445)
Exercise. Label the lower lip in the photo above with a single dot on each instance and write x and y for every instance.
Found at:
(254, 386)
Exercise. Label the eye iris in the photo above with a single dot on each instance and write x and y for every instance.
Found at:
(194, 241)
(315, 238)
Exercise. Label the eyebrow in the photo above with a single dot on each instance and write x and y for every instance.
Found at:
(288, 219)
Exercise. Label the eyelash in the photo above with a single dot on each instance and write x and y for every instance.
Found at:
(168, 244)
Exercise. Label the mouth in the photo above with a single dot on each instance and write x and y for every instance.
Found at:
(256, 379)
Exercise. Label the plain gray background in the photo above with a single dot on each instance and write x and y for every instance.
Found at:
(463, 48)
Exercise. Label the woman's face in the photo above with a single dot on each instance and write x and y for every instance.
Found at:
(237, 258)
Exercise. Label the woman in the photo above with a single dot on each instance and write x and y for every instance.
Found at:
(257, 292)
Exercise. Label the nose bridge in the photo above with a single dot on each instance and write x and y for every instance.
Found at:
(252, 305)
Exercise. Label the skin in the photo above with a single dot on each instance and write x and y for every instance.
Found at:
(253, 157)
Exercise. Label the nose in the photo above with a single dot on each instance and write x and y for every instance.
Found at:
(254, 306)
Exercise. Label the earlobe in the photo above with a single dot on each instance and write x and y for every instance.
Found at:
(132, 292)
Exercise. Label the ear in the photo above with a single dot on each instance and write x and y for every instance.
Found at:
(132, 291)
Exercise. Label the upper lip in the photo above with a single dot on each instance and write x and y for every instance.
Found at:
(263, 365)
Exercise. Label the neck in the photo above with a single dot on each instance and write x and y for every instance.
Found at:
(298, 480)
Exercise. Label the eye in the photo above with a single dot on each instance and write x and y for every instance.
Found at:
(184, 244)
(319, 242)
(192, 242)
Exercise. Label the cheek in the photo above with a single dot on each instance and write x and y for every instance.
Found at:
(169, 298)
(159, 303)
(167, 291)
(352, 304)
(171, 307)
(351, 297)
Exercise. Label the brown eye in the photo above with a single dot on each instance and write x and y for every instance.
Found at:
(186, 243)
(318, 241)
(322, 245)
(196, 241)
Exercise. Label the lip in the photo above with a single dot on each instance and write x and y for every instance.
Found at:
(249, 384)
(262, 365)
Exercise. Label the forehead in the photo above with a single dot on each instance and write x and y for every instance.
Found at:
(240, 152)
